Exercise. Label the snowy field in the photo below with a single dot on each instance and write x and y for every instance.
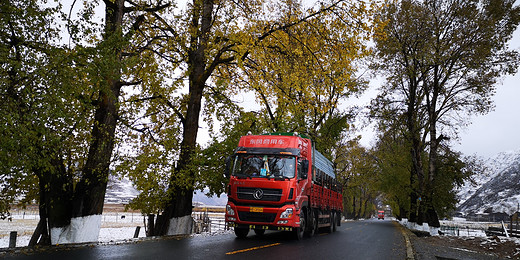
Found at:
(459, 227)
(456, 227)
(115, 226)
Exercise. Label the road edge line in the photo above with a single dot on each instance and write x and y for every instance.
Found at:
(409, 248)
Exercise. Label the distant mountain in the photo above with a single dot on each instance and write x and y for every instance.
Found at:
(496, 191)
(122, 191)
(199, 197)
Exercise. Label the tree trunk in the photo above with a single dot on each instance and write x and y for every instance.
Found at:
(431, 213)
(402, 210)
(417, 193)
(40, 231)
(358, 214)
(176, 217)
(56, 190)
(179, 208)
(413, 197)
(366, 210)
(354, 207)
(75, 217)
(90, 191)
(150, 226)
(412, 124)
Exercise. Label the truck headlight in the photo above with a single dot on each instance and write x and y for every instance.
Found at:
(229, 210)
(287, 213)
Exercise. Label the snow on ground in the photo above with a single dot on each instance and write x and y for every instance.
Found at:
(470, 236)
(115, 226)
(456, 227)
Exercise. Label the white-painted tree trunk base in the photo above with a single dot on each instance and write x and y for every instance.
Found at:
(81, 230)
(181, 226)
(424, 227)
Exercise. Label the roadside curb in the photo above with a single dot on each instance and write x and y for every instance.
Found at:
(28, 250)
(406, 234)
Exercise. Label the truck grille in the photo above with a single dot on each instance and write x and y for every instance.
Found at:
(247, 193)
(256, 216)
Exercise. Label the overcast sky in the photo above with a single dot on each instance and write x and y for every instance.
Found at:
(488, 135)
(499, 130)
(495, 132)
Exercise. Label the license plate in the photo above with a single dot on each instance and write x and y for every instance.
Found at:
(256, 209)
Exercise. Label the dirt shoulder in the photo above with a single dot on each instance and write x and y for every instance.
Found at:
(450, 247)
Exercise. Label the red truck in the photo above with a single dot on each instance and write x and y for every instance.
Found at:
(279, 181)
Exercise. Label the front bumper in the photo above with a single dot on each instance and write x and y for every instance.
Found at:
(262, 217)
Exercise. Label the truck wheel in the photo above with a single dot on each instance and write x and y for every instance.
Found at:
(329, 228)
(298, 232)
(241, 232)
(259, 232)
(312, 226)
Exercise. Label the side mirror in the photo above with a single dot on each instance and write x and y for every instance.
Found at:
(305, 169)
(228, 166)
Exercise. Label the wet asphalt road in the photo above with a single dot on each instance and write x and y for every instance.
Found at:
(369, 239)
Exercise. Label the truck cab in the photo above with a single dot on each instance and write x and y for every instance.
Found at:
(271, 185)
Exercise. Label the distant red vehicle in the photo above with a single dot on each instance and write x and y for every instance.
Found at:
(381, 214)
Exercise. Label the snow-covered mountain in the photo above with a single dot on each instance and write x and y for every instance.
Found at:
(199, 197)
(121, 191)
(498, 190)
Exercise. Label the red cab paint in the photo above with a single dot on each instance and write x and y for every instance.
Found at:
(279, 181)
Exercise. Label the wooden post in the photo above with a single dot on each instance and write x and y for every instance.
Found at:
(12, 239)
(517, 222)
(136, 233)
(505, 229)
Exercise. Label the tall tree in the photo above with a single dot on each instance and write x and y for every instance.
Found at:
(209, 44)
(301, 73)
(41, 113)
(443, 59)
(359, 173)
(394, 168)
(61, 112)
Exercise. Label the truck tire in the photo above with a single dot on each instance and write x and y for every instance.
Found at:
(298, 232)
(312, 224)
(331, 219)
(241, 232)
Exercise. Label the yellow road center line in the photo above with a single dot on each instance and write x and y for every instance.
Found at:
(251, 249)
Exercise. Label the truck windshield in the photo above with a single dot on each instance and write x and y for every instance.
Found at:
(246, 165)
